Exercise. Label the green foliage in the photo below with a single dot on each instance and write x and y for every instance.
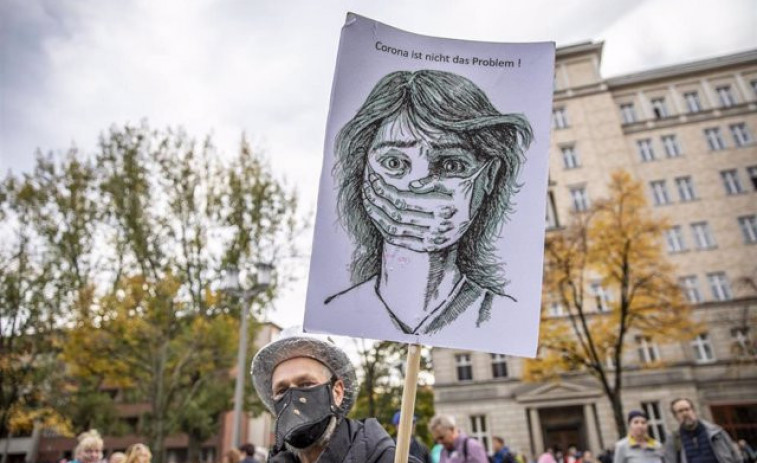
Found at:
(119, 254)
(382, 382)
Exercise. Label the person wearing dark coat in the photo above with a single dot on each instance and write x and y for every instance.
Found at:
(310, 385)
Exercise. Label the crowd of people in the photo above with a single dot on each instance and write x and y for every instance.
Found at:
(90, 446)
(310, 386)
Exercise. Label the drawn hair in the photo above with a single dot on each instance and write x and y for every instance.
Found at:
(437, 101)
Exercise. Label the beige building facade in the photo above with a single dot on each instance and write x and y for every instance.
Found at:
(687, 132)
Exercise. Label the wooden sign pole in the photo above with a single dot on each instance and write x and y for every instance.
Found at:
(404, 431)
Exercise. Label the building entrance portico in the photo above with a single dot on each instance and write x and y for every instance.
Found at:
(562, 415)
(563, 427)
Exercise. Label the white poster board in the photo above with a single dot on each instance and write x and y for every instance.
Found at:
(431, 208)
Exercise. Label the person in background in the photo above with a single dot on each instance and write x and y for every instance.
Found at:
(572, 455)
(587, 457)
(697, 440)
(117, 457)
(606, 456)
(248, 450)
(638, 446)
(138, 453)
(548, 456)
(232, 456)
(748, 454)
(417, 448)
(457, 447)
(501, 451)
(436, 453)
(90, 447)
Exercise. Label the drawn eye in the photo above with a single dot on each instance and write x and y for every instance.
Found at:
(394, 164)
(454, 166)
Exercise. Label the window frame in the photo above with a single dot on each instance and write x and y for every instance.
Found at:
(500, 368)
(748, 227)
(671, 146)
(714, 137)
(674, 239)
(693, 103)
(732, 182)
(570, 157)
(660, 195)
(645, 149)
(725, 96)
(686, 190)
(464, 364)
(690, 287)
(703, 237)
(720, 286)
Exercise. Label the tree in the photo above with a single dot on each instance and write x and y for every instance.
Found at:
(133, 240)
(381, 384)
(616, 247)
(34, 278)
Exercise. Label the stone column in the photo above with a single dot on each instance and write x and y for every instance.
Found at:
(591, 430)
(536, 432)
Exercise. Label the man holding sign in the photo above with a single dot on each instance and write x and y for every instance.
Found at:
(309, 385)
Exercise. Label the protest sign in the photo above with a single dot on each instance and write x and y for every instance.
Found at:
(431, 208)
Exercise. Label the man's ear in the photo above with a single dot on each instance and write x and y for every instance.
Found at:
(338, 391)
(490, 174)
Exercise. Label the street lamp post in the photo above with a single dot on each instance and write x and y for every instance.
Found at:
(232, 285)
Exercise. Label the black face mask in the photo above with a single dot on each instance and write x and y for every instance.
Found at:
(303, 414)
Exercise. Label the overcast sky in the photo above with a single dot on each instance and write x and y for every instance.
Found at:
(71, 68)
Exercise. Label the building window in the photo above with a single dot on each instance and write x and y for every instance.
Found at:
(720, 287)
(580, 198)
(714, 139)
(570, 157)
(628, 113)
(559, 118)
(556, 309)
(464, 367)
(648, 351)
(672, 148)
(658, 108)
(748, 225)
(703, 349)
(690, 286)
(601, 296)
(742, 341)
(479, 430)
(754, 86)
(646, 152)
(752, 173)
(731, 182)
(499, 366)
(702, 235)
(685, 186)
(692, 102)
(655, 423)
(725, 96)
(741, 135)
(674, 239)
(659, 192)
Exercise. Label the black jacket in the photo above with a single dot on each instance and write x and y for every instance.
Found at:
(353, 442)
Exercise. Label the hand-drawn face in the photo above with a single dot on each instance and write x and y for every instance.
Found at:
(423, 187)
